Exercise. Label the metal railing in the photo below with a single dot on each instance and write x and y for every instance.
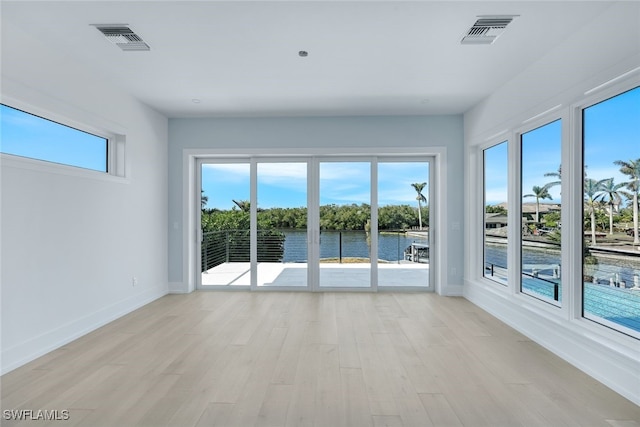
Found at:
(290, 245)
(550, 283)
(490, 269)
(218, 247)
(343, 245)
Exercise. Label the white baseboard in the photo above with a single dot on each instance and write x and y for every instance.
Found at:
(454, 291)
(178, 288)
(612, 361)
(31, 349)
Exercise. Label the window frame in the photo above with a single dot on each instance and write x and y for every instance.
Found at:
(570, 312)
(591, 97)
(501, 138)
(116, 167)
(529, 125)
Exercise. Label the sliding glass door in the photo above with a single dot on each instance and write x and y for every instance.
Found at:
(403, 224)
(224, 224)
(315, 223)
(281, 241)
(345, 224)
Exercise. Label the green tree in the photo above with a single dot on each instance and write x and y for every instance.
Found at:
(539, 193)
(631, 168)
(611, 194)
(396, 217)
(592, 189)
(203, 199)
(244, 205)
(420, 198)
(626, 214)
(552, 219)
(226, 237)
(495, 209)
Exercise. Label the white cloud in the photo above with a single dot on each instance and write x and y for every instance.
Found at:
(277, 172)
(496, 195)
(354, 172)
(607, 172)
(228, 168)
(226, 173)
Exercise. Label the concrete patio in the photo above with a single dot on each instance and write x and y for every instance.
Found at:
(237, 274)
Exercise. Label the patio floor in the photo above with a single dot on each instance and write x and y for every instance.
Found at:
(331, 275)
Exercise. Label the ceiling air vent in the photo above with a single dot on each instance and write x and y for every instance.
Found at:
(487, 29)
(123, 37)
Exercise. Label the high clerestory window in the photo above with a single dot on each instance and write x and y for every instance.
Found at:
(27, 135)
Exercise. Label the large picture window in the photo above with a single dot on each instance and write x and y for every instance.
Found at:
(611, 259)
(495, 212)
(27, 135)
(540, 207)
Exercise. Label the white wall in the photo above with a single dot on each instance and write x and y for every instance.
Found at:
(71, 243)
(322, 135)
(602, 50)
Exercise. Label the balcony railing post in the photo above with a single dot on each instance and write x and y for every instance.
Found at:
(227, 245)
(206, 250)
(340, 246)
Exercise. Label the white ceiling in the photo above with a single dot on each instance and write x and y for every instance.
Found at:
(241, 58)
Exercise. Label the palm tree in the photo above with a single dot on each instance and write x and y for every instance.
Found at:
(420, 198)
(610, 192)
(244, 205)
(539, 193)
(631, 168)
(592, 190)
(557, 175)
(203, 199)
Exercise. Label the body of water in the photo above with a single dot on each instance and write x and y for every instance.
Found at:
(391, 246)
(624, 266)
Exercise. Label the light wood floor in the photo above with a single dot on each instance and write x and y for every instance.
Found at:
(303, 359)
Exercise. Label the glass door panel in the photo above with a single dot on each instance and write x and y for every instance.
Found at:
(403, 224)
(225, 221)
(345, 224)
(282, 250)
(298, 223)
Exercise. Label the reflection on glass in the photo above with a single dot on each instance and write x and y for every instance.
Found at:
(540, 222)
(495, 213)
(225, 221)
(611, 259)
(403, 224)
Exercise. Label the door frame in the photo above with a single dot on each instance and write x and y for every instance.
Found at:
(434, 255)
(438, 220)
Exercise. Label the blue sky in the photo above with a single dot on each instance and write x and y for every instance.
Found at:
(26, 135)
(285, 184)
(611, 132)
